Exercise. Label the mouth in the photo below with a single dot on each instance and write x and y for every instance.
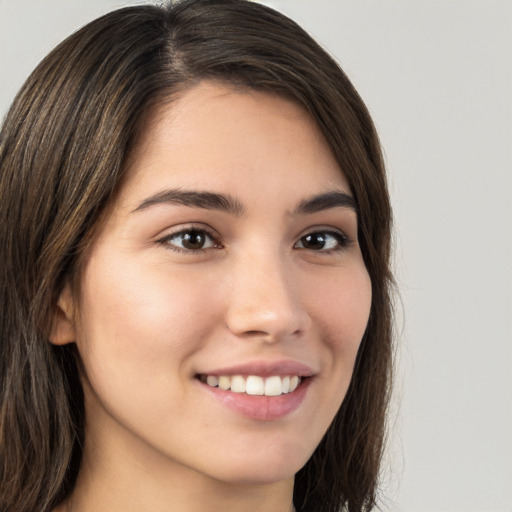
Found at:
(253, 385)
(256, 397)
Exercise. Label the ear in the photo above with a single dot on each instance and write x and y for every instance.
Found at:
(63, 327)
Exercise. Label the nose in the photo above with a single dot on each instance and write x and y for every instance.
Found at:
(265, 302)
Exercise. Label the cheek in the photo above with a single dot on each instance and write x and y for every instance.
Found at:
(342, 311)
(137, 313)
(345, 303)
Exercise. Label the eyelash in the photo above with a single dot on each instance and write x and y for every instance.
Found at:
(167, 239)
(342, 241)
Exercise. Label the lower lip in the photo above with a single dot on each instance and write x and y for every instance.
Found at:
(261, 408)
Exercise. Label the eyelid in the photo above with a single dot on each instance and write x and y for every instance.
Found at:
(210, 233)
(344, 240)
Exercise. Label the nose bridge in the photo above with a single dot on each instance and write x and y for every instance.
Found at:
(264, 297)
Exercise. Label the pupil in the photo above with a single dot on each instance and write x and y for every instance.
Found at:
(193, 240)
(314, 241)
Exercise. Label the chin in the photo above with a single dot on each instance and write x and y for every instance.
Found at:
(261, 472)
(267, 476)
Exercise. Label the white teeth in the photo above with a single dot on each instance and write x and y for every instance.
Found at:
(273, 386)
(237, 384)
(224, 382)
(254, 384)
(286, 384)
(212, 380)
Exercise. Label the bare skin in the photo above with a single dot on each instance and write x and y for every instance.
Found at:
(177, 288)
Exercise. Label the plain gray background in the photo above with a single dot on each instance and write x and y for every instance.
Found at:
(437, 77)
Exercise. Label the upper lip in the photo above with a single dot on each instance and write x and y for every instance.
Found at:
(264, 369)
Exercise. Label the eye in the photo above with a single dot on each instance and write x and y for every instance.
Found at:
(190, 240)
(325, 241)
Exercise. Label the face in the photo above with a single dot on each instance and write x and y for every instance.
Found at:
(223, 302)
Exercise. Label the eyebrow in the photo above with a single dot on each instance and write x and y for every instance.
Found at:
(229, 204)
(195, 199)
(326, 201)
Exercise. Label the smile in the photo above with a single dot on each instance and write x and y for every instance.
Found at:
(255, 385)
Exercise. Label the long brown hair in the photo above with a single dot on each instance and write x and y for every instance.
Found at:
(63, 149)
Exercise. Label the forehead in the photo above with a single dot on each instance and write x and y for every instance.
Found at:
(214, 135)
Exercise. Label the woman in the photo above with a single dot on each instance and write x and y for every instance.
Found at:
(195, 282)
